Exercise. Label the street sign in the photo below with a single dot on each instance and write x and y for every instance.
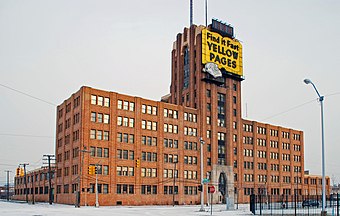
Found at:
(205, 181)
(211, 189)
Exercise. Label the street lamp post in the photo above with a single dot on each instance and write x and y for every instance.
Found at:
(321, 98)
(202, 186)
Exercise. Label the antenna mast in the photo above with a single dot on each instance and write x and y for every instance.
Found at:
(191, 12)
(206, 13)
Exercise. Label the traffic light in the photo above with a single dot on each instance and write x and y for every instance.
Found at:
(22, 173)
(91, 170)
(18, 172)
(199, 187)
(137, 163)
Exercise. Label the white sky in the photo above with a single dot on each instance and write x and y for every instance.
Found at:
(49, 49)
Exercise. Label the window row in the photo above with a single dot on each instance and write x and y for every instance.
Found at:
(125, 154)
(100, 118)
(170, 158)
(169, 128)
(150, 141)
(248, 128)
(99, 134)
(149, 156)
(149, 125)
(190, 117)
(170, 143)
(190, 131)
(100, 101)
(189, 174)
(169, 113)
(125, 138)
(125, 121)
(149, 172)
(125, 171)
(126, 105)
(148, 109)
(190, 159)
(190, 145)
(99, 152)
(169, 173)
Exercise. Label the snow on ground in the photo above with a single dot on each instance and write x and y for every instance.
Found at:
(44, 209)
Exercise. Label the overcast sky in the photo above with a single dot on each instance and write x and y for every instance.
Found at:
(49, 49)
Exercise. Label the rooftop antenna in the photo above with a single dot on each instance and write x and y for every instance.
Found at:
(191, 12)
(206, 13)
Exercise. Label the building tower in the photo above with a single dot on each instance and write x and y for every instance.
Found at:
(207, 75)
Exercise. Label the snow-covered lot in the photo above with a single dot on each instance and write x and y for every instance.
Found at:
(42, 209)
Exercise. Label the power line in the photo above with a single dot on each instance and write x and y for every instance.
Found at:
(28, 95)
(298, 106)
(288, 110)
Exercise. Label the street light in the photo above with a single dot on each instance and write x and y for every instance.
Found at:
(202, 191)
(321, 98)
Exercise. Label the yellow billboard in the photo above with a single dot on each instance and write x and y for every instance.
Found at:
(223, 51)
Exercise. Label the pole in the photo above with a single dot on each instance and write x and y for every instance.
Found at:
(202, 192)
(324, 212)
(7, 196)
(321, 98)
(174, 183)
(33, 191)
(211, 200)
(97, 203)
(206, 13)
(25, 179)
(191, 12)
(49, 178)
(80, 177)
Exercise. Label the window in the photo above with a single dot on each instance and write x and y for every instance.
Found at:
(119, 120)
(125, 105)
(120, 104)
(132, 106)
(100, 118)
(100, 101)
(93, 99)
(234, 99)
(107, 102)
(208, 93)
(93, 116)
(208, 107)
(93, 134)
(106, 152)
(106, 135)
(99, 134)
(106, 119)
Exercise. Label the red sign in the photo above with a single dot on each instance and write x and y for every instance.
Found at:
(211, 189)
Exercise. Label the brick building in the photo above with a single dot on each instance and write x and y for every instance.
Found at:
(148, 152)
(37, 186)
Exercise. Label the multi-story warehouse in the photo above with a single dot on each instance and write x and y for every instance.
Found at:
(148, 152)
(34, 186)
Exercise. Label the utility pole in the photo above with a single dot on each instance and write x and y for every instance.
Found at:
(49, 158)
(25, 179)
(174, 183)
(7, 171)
(33, 189)
(81, 177)
(97, 203)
